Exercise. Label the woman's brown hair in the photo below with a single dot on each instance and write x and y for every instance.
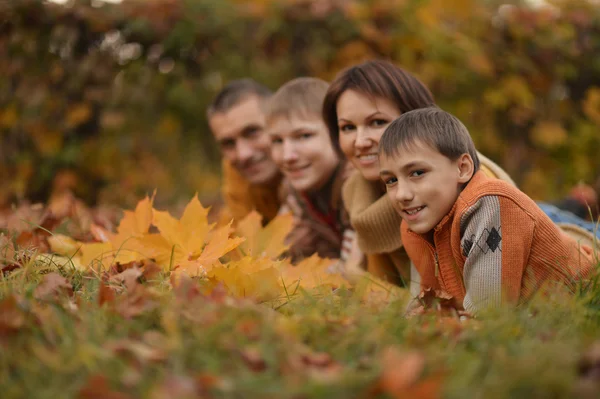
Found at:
(375, 78)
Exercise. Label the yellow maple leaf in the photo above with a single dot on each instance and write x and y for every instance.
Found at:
(187, 243)
(189, 232)
(268, 241)
(249, 277)
(122, 247)
(83, 254)
(96, 254)
(218, 245)
(312, 272)
(137, 223)
(64, 245)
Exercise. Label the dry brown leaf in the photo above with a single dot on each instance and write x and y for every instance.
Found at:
(105, 294)
(53, 285)
(253, 359)
(141, 351)
(128, 277)
(135, 302)
(12, 318)
(184, 287)
(402, 376)
(97, 388)
(176, 386)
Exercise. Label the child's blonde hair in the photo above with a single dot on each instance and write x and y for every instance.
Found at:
(299, 97)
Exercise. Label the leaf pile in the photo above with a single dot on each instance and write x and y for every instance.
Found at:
(246, 260)
(160, 306)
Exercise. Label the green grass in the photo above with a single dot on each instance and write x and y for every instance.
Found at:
(317, 345)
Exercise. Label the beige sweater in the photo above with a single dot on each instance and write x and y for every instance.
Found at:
(376, 224)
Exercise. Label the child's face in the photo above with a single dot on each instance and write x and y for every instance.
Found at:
(423, 184)
(302, 149)
(361, 123)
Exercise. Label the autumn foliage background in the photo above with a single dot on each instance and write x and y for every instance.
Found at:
(109, 99)
(155, 301)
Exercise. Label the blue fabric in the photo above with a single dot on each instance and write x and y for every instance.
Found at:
(560, 216)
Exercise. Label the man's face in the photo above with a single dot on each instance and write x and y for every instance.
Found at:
(423, 184)
(240, 134)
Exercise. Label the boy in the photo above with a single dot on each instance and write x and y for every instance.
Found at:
(479, 239)
(312, 169)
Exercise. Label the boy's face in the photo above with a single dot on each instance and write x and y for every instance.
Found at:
(361, 123)
(423, 184)
(302, 149)
(240, 134)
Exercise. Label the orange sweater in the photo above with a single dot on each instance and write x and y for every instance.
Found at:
(241, 197)
(495, 245)
(376, 224)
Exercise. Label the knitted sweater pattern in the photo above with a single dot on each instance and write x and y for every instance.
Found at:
(495, 245)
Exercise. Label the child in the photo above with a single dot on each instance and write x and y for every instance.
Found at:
(360, 103)
(479, 239)
(313, 171)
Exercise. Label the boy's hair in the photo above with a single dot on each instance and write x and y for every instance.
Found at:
(234, 92)
(375, 78)
(298, 97)
(431, 126)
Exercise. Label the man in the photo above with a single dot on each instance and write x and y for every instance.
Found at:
(250, 177)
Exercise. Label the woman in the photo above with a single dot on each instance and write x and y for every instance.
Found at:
(359, 105)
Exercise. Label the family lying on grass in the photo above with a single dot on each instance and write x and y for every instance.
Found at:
(380, 177)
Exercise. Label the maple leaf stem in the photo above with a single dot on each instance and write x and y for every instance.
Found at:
(172, 256)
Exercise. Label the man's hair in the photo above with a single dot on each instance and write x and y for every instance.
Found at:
(431, 126)
(234, 92)
(375, 78)
(299, 97)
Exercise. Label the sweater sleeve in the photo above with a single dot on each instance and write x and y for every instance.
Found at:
(481, 245)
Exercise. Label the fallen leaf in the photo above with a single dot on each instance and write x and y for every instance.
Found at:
(105, 294)
(129, 277)
(268, 241)
(135, 302)
(12, 318)
(402, 373)
(176, 386)
(310, 273)
(253, 359)
(249, 277)
(53, 285)
(140, 350)
(64, 245)
(187, 244)
(97, 387)
(219, 245)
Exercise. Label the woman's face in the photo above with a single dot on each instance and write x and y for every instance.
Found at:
(361, 123)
